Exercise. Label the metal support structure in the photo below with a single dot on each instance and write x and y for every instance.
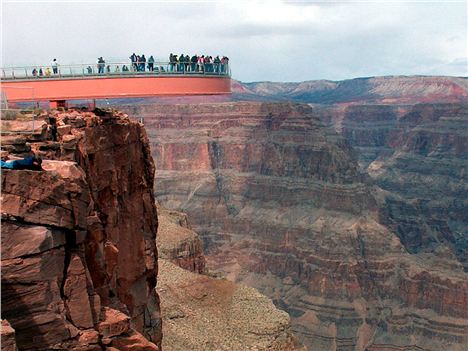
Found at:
(57, 104)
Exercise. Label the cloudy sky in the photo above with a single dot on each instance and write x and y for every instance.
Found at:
(265, 40)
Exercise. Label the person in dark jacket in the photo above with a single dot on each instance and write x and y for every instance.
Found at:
(171, 62)
(133, 58)
(181, 62)
(217, 62)
(194, 63)
(151, 63)
(142, 63)
(101, 65)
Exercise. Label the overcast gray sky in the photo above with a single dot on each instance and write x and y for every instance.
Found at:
(265, 40)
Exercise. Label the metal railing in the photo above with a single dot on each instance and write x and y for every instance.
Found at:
(115, 69)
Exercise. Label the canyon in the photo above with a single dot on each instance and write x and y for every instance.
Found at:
(79, 257)
(314, 205)
(350, 215)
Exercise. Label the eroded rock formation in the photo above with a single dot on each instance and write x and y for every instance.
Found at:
(79, 259)
(177, 242)
(282, 205)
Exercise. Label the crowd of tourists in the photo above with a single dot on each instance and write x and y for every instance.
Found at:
(181, 63)
(139, 63)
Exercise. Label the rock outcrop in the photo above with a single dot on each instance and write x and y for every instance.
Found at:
(282, 205)
(177, 242)
(79, 259)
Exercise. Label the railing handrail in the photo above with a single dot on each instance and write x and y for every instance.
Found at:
(93, 64)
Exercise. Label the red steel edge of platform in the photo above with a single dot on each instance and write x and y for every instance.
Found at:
(108, 87)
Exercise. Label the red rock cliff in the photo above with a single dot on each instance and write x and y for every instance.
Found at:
(79, 260)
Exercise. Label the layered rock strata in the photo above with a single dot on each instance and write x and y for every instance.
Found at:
(79, 259)
(417, 154)
(281, 204)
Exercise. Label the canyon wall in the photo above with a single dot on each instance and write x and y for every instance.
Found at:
(417, 154)
(79, 259)
(283, 205)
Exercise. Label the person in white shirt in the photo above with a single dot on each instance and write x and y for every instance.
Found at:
(55, 66)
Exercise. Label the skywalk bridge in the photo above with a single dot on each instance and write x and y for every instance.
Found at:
(110, 81)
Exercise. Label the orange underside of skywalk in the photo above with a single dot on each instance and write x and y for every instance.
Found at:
(112, 87)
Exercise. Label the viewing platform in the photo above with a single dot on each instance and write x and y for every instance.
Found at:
(112, 80)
